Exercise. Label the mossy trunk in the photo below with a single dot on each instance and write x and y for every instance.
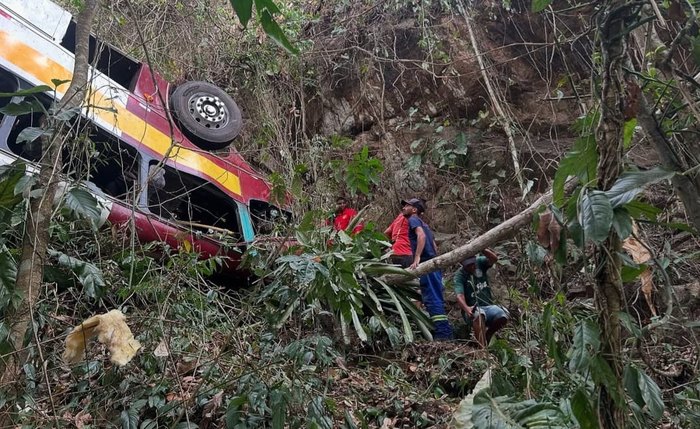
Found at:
(612, 40)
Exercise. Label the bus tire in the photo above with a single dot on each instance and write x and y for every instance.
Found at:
(206, 114)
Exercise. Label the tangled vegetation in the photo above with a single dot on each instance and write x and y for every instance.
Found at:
(381, 101)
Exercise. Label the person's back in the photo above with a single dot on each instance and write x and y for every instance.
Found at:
(397, 231)
(471, 285)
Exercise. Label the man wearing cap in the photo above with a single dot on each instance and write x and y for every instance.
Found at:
(424, 249)
(471, 285)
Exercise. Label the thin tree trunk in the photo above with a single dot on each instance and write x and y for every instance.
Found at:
(610, 137)
(36, 233)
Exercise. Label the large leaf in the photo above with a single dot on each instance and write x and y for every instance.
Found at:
(8, 273)
(88, 274)
(30, 134)
(553, 348)
(129, 419)
(276, 33)
(83, 204)
(583, 410)
(35, 90)
(504, 412)
(640, 210)
(595, 215)
(22, 108)
(10, 177)
(269, 5)
(622, 222)
(630, 380)
(581, 162)
(651, 394)
(631, 183)
(278, 400)
(243, 9)
(585, 343)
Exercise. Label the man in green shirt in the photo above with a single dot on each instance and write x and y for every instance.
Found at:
(471, 285)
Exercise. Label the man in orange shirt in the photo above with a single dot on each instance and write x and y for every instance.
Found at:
(401, 246)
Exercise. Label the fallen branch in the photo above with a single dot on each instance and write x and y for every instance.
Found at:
(495, 235)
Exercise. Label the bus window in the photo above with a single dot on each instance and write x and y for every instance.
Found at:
(265, 216)
(27, 150)
(110, 60)
(8, 84)
(110, 164)
(190, 201)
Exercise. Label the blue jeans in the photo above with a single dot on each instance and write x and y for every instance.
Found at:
(491, 313)
(431, 295)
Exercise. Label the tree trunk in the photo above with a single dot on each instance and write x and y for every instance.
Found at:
(36, 232)
(612, 36)
(687, 187)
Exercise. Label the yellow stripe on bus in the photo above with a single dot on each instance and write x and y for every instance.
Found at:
(45, 69)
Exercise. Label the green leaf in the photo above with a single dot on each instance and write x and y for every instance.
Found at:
(36, 90)
(504, 412)
(30, 134)
(651, 394)
(67, 114)
(630, 379)
(22, 108)
(540, 5)
(583, 410)
(243, 9)
(266, 5)
(10, 177)
(639, 210)
(8, 274)
(83, 204)
(88, 274)
(630, 274)
(129, 419)
(629, 324)
(275, 32)
(553, 348)
(407, 330)
(622, 222)
(629, 132)
(278, 402)
(358, 325)
(581, 162)
(59, 82)
(585, 343)
(595, 215)
(602, 373)
(631, 183)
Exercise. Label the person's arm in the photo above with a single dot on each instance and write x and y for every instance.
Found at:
(420, 245)
(459, 292)
(491, 256)
(389, 230)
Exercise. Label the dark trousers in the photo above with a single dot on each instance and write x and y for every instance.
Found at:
(404, 261)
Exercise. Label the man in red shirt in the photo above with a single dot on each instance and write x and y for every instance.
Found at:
(343, 215)
(401, 246)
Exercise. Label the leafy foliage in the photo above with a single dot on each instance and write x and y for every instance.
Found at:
(266, 10)
(331, 272)
(362, 173)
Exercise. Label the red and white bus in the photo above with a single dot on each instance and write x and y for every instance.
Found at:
(159, 156)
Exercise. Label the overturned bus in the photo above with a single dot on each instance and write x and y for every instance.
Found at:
(159, 156)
